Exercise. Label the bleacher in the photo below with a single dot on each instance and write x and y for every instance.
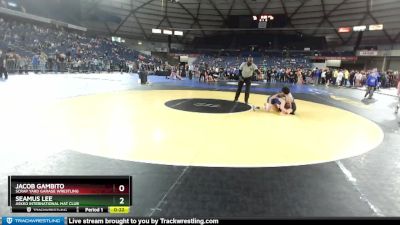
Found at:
(261, 61)
(24, 39)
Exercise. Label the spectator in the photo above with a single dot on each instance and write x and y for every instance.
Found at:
(372, 83)
(352, 77)
(329, 77)
(358, 79)
(335, 75)
(35, 62)
(398, 94)
(339, 78)
(3, 69)
(323, 77)
(43, 60)
(346, 74)
(317, 75)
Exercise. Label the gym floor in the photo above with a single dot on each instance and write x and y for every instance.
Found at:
(192, 152)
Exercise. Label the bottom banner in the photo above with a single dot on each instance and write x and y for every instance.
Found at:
(137, 221)
(163, 221)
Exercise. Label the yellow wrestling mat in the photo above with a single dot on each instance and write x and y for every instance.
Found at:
(137, 126)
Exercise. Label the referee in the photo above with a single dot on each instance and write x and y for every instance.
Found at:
(246, 71)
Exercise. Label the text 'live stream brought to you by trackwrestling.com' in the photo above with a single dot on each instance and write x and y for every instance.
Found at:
(10, 220)
(138, 221)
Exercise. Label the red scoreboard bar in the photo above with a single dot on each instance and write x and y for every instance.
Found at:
(87, 194)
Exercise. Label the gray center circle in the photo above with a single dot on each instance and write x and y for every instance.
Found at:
(206, 105)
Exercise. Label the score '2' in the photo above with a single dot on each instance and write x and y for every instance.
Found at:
(121, 188)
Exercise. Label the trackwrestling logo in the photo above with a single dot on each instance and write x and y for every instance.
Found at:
(33, 220)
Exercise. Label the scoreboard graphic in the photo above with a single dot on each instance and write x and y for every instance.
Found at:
(74, 194)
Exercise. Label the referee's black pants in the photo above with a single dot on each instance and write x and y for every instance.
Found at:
(240, 86)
